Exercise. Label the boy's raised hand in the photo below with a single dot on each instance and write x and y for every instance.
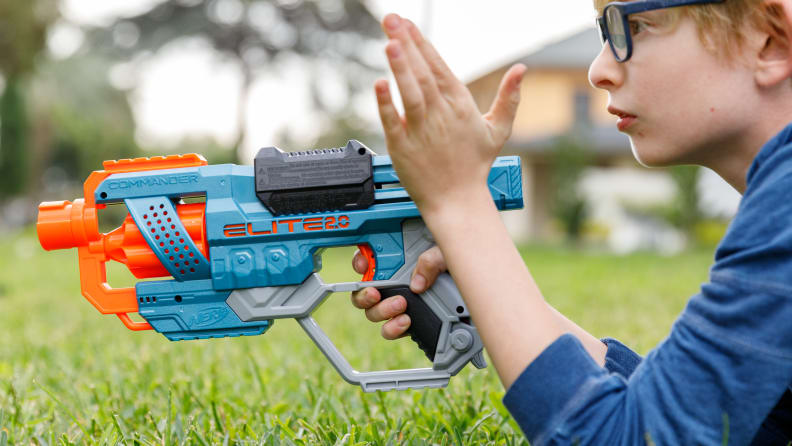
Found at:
(443, 147)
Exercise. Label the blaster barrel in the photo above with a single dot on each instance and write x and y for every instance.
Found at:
(66, 225)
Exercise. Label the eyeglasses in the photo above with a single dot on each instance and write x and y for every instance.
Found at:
(615, 28)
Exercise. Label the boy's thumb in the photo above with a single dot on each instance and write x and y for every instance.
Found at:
(501, 113)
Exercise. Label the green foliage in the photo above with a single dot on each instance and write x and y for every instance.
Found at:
(88, 120)
(569, 159)
(684, 212)
(339, 129)
(256, 35)
(22, 36)
(23, 28)
(209, 148)
(13, 139)
(70, 375)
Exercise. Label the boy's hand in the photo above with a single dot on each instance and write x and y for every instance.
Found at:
(442, 148)
(430, 265)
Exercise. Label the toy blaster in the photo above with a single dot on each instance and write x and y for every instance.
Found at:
(251, 251)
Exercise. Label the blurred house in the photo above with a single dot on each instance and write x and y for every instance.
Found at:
(558, 103)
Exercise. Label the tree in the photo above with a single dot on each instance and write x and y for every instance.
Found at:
(684, 212)
(22, 37)
(254, 34)
(568, 163)
(82, 119)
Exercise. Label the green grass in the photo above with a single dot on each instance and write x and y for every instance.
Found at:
(69, 375)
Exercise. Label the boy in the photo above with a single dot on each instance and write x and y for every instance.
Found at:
(708, 84)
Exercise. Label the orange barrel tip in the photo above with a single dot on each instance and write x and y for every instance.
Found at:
(61, 224)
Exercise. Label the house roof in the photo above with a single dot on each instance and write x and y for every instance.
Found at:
(575, 51)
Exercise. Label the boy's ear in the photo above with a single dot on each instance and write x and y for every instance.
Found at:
(775, 57)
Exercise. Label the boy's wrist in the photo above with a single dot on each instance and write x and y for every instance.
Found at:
(463, 203)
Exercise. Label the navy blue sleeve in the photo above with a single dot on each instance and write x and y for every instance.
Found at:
(723, 367)
(619, 358)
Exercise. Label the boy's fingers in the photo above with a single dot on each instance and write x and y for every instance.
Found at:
(396, 327)
(446, 80)
(411, 94)
(387, 309)
(397, 28)
(504, 108)
(365, 298)
(430, 264)
(391, 121)
(359, 263)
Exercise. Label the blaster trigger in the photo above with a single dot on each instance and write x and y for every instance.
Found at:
(368, 253)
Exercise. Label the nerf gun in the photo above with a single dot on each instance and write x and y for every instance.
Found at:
(250, 253)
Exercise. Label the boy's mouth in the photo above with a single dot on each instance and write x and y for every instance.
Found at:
(625, 119)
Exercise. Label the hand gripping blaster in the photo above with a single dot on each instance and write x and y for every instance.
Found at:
(251, 252)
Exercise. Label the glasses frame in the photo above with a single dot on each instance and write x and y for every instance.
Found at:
(634, 7)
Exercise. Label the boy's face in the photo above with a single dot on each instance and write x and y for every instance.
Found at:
(678, 102)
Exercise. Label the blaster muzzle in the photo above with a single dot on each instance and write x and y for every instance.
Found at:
(66, 224)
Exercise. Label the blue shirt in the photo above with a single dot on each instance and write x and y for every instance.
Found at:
(723, 368)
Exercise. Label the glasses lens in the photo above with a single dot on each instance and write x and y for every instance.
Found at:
(601, 28)
(616, 31)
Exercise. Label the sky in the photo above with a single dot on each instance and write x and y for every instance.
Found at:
(186, 91)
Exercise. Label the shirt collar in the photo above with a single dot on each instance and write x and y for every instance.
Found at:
(781, 139)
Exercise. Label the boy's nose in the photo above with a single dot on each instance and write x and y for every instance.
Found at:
(605, 72)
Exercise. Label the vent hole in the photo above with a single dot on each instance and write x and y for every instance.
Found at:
(361, 151)
(178, 298)
(460, 309)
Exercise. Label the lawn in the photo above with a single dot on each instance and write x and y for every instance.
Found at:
(69, 375)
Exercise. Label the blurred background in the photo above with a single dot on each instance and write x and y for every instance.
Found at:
(82, 81)
(616, 247)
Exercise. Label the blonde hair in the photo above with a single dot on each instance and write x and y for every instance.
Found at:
(722, 26)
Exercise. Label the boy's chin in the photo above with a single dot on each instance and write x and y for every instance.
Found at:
(652, 157)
